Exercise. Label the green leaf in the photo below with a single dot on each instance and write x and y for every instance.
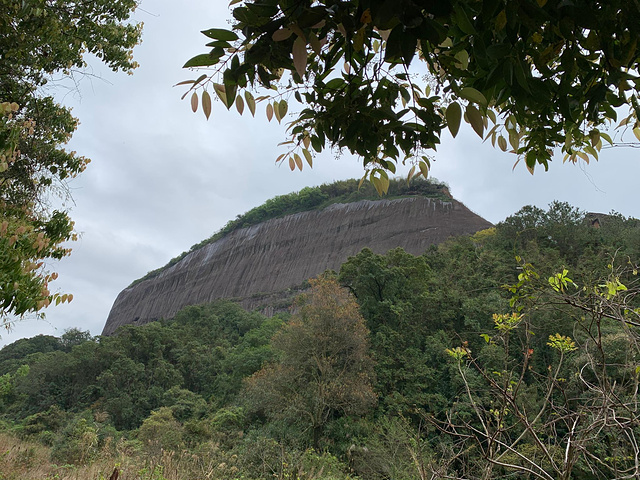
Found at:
(283, 107)
(202, 60)
(251, 102)
(475, 119)
(453, 115)
(220, 34)
(473, 95)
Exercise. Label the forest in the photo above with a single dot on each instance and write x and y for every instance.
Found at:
(512, 353)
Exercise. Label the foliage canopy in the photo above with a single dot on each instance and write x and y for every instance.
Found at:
(41, 42)
(383, 78)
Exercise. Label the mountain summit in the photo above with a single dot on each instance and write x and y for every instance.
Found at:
(261, 256)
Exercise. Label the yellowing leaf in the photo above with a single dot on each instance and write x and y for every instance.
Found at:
(251, 102)
(366, 16)
(514, 139)
(221, 92)
(206, 104)
(306, 141)
(424, 169)
(411, 172)
(502, 143)
(453, 115)
(276, 110)
(292, 164)
(239, 104)
(298, 161)
(281, 34)
(636, 132)
(308, 157)
(269, 111)
(475, 119)
(194, 102)
(299, 52)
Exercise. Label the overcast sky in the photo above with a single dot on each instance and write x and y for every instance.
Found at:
(163, 178)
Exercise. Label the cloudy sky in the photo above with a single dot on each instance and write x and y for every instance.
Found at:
(163, 178)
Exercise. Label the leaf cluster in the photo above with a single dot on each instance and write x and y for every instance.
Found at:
(39, 41)
(383, 79)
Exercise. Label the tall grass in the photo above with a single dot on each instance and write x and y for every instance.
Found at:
(23, 460)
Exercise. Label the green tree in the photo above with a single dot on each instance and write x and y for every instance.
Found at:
(41, 39)
(324, 370)
(563, 410)
(383, 78)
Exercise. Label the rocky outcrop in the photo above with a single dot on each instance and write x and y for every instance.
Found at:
(282, 253)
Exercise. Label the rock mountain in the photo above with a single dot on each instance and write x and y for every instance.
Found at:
(262, 263)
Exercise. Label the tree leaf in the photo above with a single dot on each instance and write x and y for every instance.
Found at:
(202, 60)
(276, 110)
(298, 161)
(636, 132)
(221, 92)
(514, 139)
(194, 102)
(475, 119)
(239, 104)
(315, 43)
(220, 34)
(412, 171)
(424, 169)
(453, 115)
(281, 34)
(473, 95)
(292, 163)
(308, 157)
(251, 102)
(269, 111)
(299, 52)
(502, 143)
(283, 107)
(206, 104)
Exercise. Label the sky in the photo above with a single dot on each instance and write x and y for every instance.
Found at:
(163, 178)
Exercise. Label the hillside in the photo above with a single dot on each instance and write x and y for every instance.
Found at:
(533, 323)
(278, 246)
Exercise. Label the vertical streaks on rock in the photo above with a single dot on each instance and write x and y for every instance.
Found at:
(284, 252)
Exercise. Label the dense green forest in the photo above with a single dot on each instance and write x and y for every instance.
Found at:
(512, 353)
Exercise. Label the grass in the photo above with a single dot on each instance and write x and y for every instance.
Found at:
(24, 460)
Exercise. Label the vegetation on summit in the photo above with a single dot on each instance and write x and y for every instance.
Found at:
(315, 198)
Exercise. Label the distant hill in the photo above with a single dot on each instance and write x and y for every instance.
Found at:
(262, 255)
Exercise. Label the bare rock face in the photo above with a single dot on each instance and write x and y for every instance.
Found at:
(284, 252)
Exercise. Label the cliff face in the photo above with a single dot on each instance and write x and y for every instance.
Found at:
(284, 252)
